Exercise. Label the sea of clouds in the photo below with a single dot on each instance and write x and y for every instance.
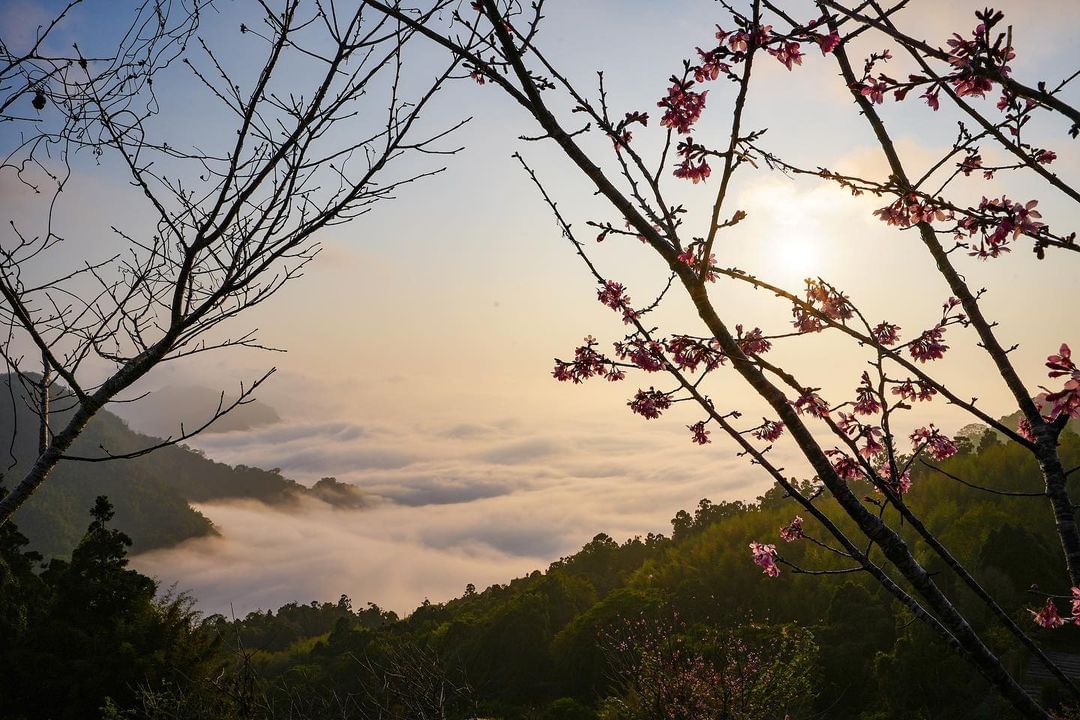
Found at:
(449, 505)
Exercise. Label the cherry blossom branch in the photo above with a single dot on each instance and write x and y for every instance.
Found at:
(1039, 95)
(758, 456)
(1045, 436)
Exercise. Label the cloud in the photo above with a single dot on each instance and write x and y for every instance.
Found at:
(481, 502)
(443, 491)
(522, 451)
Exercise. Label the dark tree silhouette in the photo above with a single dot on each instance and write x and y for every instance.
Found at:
(234, 218)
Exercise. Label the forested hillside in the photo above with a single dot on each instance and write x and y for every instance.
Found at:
(685, 620)
(151, 494)
(554, 634)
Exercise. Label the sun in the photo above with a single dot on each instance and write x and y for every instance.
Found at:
(798, 256)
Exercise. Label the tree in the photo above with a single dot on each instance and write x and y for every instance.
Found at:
(859, 440)
(235, 216)
(666, 671)
(90, 629)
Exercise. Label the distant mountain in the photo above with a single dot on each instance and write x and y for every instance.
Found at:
(1012, 421)
(161, 412)
(975, 431)
(151, 493)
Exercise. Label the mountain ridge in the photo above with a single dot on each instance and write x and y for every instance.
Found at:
(152, 494)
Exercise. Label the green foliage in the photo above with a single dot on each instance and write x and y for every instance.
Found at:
(534, 647)
(541, 646)
(84, 634)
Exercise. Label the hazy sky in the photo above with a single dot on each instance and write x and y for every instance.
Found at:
(420, 340)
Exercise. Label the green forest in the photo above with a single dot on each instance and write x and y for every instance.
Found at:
(681, 625)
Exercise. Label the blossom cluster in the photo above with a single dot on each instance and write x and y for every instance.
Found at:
(939, 446)
(911, 209)
(613, 295)
(647, 355)
(1049, 617)
(765, 558)
(587, 363)
(685, 101)
(768, 431)
(650, 403)
(682, 105)
(976, 63)
(793, 530)
(690, 258)
(996, 222)
(1067, 400)
(901, 485)
(810, 403)
(929, 345)
(690, 353)
(698, 433)
(910, 390)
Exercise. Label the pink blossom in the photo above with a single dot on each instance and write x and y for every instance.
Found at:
(900, 487)
(971, 163)
(805, 322)
(682, 106)
(752, 342)
(647, 355)
(1062, 363)
(1045, 157)
(698, 433)
(689, 353)
(909, 210)
(587, 363)
(687, 170)
(650, 403)
(931, 97)
(1067, 400)
(939, 446)
(738, 42)
(999, 221)
(613, 295)
(810, 403)
(1048, 617)
(828, 43)
(872, 443)
(834, 304)
(844, 466)
(689, 257)
(765, 558)
(866, 402)
(929, 345)
(711, 65)
(787, 53)
(874, 90)
(848, 423)
(975, 85)
(769, 431)
(793, 531)
(1023, 427)
(886, 333)
(919, 390)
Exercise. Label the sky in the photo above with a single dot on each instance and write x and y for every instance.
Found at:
(420, 341)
